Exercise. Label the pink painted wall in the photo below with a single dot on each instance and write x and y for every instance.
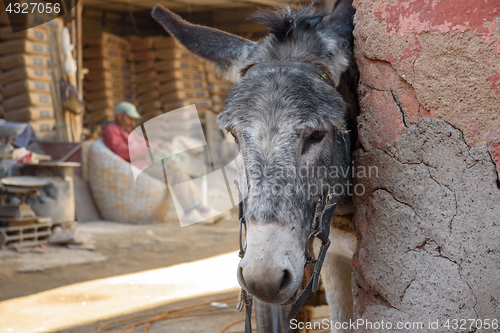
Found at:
(429, 223)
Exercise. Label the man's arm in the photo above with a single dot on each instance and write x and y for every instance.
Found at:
(115, 141)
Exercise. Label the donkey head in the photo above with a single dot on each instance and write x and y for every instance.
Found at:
(289, 114)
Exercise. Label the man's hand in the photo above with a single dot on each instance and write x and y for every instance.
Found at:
(161, 145)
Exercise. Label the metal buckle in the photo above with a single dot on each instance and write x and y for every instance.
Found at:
(310, 257)
(243, 249)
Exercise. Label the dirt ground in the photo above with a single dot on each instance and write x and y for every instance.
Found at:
(121, 249)
(124, 249)
(198, 322)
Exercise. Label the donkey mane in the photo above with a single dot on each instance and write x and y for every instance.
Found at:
(309, 36)
(303, 35)
(284, 21)
(299, 35)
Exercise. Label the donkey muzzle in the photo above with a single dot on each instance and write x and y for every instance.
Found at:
(272, 267)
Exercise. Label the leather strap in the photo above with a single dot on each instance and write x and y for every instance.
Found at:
(297, 64)
(248, 318)
(321, 230)
(313, 284)
(276, 319)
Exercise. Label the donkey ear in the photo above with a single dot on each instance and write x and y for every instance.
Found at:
(338, 28)
(343, 9)
(227, 52)
(341, 21)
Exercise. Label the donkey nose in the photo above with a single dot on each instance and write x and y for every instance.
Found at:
(269, 284)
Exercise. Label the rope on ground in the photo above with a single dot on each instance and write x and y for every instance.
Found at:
(196, 310)
(236, 322)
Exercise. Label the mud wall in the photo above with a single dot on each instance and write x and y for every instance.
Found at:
(428, 223)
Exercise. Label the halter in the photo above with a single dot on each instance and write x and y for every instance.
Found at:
(320, 229)
(297, 64)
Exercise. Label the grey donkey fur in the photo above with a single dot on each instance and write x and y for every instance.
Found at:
(293, 130)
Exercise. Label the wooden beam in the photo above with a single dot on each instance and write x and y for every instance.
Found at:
(181, 5)
(79, 48)
(264, 2)
(61, 134)
(76, 121)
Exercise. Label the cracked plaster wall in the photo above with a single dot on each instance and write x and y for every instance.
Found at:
(428, 224)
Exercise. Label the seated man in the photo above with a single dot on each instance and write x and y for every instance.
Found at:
(116, 138)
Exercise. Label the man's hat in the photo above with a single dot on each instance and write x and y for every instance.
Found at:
(127, 108)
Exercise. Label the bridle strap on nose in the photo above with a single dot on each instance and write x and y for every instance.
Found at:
(322, 231)
(246, 299)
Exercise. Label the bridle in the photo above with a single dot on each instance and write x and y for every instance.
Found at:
(305, 66)
(320, 227)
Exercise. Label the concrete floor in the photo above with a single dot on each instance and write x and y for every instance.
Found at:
(136, 270)
(80, 304)
(121, 249)
(50, 287)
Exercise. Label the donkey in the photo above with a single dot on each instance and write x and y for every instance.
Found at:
(292, 112)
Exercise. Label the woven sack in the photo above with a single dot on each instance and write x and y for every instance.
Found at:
(118, 197)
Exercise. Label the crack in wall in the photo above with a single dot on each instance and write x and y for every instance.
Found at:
(406, 288)
(369, 291)
(454, 193)
(420, 246)
(403, 119)
(423, 245)
(397, 200)
(370, 88)
(471, 290)
(385, 300)
(450, 224)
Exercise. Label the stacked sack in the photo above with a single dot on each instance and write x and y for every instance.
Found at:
(218, 88)
(182, 77)
(26, 75)
(110, 79)
(147, 82)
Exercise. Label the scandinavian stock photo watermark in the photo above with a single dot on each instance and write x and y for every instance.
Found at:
(314, 181)
(173, 148)
(25, 14)
(454, 325)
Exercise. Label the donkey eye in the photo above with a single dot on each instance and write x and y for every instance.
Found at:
(317, 136)
(235, 138)
(314, 138)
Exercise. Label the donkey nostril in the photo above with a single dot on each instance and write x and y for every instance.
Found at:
(286, 280)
